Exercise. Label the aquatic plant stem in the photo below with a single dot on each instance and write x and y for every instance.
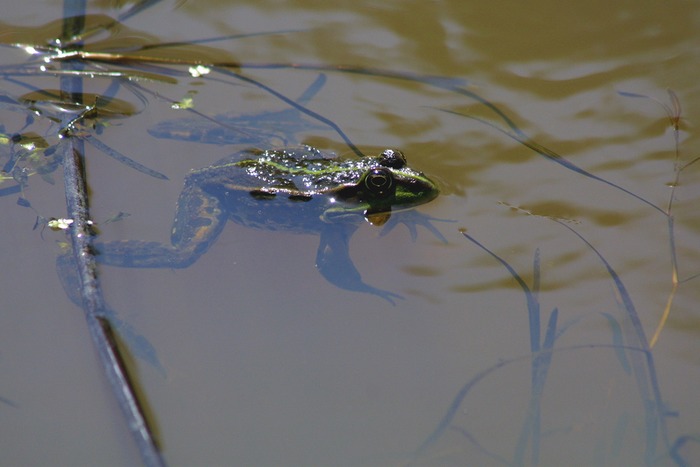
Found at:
(674, 113)
(674, 267)
(80, 234)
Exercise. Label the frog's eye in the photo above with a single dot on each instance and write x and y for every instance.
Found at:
(380, 182)
(392, 158)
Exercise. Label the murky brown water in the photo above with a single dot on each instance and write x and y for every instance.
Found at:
(265, 363)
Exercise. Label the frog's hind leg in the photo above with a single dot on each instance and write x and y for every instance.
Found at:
(334, 263)
(198, 222)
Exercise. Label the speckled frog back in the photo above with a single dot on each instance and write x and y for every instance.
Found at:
(280, 189)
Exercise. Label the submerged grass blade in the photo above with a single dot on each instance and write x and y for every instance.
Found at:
(8, 402)
(454, 408)
(643, 368)
(532, 425)
(677, 456)
(300, 107)
(541, 357)
(533, 306)
(312, 90)
(446, 420)
(523, 139)
(208, 40)
(618, 342)
(136, 8)
(453, 85)
(116, 155)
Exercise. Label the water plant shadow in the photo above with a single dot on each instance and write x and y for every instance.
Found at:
(629, 342)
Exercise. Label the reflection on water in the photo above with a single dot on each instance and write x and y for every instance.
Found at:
(526, 340)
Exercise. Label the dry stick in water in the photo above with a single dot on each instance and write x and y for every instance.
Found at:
(93, 302)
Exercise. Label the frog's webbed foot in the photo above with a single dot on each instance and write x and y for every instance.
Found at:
(411, 219)
(335, 265)
(385, 294)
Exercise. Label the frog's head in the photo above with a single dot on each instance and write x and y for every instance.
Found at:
(389, 184)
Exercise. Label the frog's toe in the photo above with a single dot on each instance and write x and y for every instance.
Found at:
(385, 294)
(411, 219)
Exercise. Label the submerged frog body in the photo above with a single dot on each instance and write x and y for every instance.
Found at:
(297, 189)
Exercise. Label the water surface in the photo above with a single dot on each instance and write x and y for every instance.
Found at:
(265, 363)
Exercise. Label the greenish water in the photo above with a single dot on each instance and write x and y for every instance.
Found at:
(265, 363)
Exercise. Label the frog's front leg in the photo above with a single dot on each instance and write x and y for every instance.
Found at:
(199, 219)
(334, 263)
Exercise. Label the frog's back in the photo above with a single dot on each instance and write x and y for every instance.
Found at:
(286, 189)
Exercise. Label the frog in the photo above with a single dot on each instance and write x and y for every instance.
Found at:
(298, 189)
